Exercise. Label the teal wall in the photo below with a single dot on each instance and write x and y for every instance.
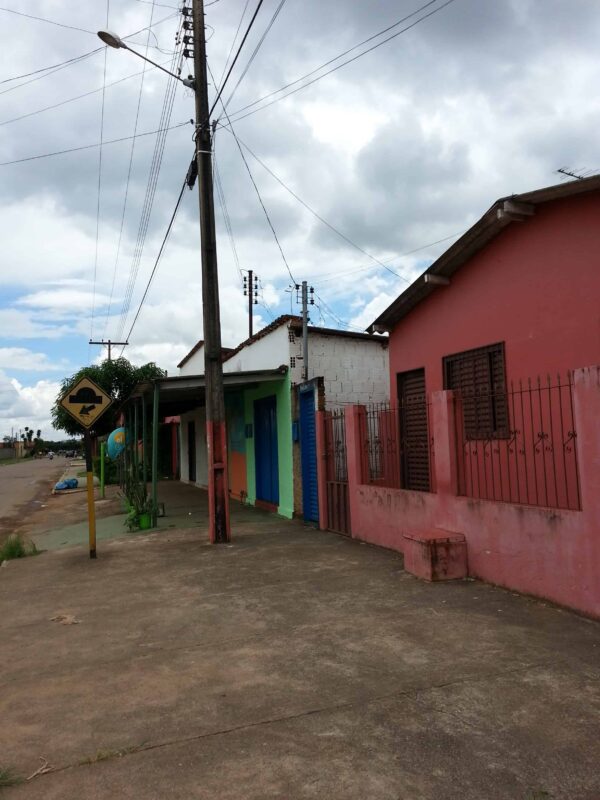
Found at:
(281, 390)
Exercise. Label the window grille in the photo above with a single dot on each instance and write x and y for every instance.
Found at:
(292, 362)
(479, 376)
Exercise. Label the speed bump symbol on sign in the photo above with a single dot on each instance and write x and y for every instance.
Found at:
(86, 401)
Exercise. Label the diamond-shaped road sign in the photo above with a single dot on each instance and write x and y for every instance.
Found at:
(86, 402)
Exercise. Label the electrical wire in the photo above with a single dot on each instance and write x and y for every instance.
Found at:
(96, 144)
(336, 275)
(133, 141)
(49, 21)
(260, 200)
(235, 114)
(255, 51)
(80, 96)
(156, 263)
(52, 66)
(232, 45)
(239, 50)
(75, 60)
(336, 317)
(225, 212)
(155, 166)
(320, 218)
(99, 186)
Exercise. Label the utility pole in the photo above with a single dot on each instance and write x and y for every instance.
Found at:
(305, 302)
(110, 345)
(251, 290)
(216, 437)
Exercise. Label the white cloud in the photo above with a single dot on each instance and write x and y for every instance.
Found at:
(23, 359)
(64, 300)
(22, 405)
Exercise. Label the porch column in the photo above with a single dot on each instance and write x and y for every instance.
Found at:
(144, 442)
(155, 454)
(444, 468)
(322, 469)
(586, 408)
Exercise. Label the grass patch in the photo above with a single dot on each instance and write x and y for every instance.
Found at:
(9, 777)
(16, 547)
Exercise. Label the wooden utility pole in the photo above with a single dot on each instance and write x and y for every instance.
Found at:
(216, 437)
(110, 345)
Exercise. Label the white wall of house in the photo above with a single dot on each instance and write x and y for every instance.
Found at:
(195, 365)
(353, 370)
(199, 417)
(269, 352)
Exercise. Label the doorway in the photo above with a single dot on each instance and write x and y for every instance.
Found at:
(414, 430)
(265, 450)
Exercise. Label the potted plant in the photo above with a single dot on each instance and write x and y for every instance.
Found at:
(140, 506)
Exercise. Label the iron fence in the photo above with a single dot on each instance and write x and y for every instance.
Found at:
(518, 445)
(335, 445)
(397, 449)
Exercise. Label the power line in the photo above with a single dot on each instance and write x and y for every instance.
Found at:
(79, 96)
(52, 66)
(239, 50)
(156, 263)
(255, 51)
(339, 66)
(99, 183)
(260, 200)
(151, 186)
(320, 218)
(49, 21)
(335, 316)
(225, 212)
(336, 275)
(91, 146)
(64, 65)
(232, 45)
(135, 125)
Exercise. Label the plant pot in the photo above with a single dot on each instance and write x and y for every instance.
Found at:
(145, 521)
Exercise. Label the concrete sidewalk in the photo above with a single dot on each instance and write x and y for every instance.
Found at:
(291, 664)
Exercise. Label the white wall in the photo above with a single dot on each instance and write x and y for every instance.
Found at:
(269, 352)
(195, 365)
(199, 417)
(353, 370)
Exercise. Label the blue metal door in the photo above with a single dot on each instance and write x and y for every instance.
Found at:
(265, 450)
(308, 451)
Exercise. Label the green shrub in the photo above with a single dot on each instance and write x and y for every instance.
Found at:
(111, 470)
(16, 547)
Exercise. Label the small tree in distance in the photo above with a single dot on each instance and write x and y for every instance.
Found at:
(118, 378)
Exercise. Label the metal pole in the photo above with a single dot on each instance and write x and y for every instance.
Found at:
(144, 443)
(305, 330)
(90, 494)
(250, 301)
(218, 500)
(155, 454)
(135, 438)
(102, 456)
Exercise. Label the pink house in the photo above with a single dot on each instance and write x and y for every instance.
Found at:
(489, 458)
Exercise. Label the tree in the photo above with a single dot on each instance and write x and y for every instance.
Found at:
(118, 378)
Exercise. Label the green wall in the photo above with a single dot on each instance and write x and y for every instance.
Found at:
(281, 390)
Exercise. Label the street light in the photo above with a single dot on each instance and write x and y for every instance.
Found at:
(112, 40)
(216, 431)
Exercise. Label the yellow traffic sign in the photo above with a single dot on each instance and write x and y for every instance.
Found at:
(86, 401)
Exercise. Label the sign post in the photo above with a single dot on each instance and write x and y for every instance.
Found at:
(86, 402)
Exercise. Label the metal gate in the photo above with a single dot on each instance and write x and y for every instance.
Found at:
(338, 505)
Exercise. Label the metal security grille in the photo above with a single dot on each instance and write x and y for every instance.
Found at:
(479, 375)
(535, 460)
(338, 504)
(415, 462)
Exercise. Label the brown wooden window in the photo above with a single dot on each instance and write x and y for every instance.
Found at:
(480, 377)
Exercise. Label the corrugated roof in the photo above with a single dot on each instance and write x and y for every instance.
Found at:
(476, 238)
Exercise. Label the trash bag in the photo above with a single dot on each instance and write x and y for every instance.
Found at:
(69, 483)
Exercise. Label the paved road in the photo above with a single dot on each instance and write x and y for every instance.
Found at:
(22, 487)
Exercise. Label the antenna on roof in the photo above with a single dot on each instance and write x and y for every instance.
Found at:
(570, 173)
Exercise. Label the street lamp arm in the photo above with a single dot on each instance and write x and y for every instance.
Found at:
(112, 40)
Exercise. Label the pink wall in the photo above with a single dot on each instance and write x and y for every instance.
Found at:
(535, 287)
(550, 553)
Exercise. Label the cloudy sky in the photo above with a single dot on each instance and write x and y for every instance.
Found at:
(399, 151)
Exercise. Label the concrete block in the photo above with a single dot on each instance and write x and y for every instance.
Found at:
(436, 555)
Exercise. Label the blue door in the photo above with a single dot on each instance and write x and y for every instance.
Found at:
(308, 450)
(265, 450)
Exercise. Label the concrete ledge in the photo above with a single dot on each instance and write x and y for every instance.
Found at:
(436, 555)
